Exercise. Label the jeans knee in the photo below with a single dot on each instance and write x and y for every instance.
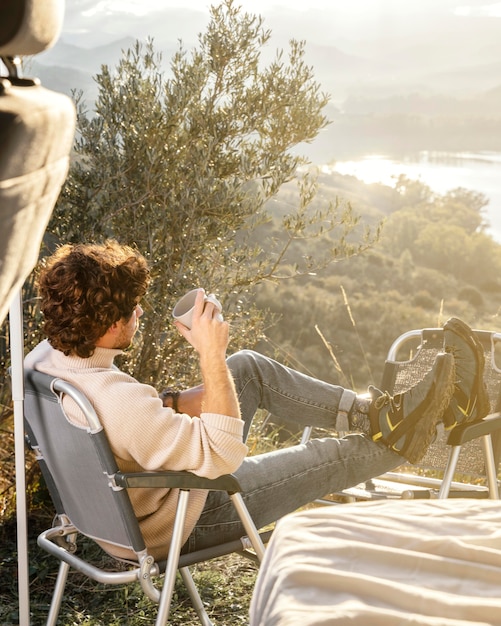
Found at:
(246, 369)
(243, 363)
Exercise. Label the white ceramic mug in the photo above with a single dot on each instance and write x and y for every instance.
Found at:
(183, 311)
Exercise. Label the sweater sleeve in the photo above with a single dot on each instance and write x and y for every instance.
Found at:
(141, 430)
(143, 434)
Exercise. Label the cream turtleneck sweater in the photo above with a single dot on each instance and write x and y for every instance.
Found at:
(144, 435)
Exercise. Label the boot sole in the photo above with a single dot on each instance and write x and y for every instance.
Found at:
(427, 415)
(459, 328)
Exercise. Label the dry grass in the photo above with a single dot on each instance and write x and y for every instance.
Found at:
(225, 584)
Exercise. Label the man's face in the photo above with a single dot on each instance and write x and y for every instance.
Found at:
(128, 329)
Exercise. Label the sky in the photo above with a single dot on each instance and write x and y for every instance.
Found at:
(316, 20)
(142, 7)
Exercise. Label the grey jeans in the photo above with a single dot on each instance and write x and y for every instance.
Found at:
(279, 482)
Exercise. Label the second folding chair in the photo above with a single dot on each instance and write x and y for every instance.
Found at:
(461, 462)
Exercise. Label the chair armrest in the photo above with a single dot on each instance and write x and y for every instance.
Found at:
(466, 432)
(177, 480)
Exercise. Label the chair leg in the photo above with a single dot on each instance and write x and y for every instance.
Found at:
(449, 472)
(196, 600)
(305, 437)
(490, 467)
(173, 559)
(57, 596)
(248, 523)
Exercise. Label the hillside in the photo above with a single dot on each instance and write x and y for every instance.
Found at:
(432, 262)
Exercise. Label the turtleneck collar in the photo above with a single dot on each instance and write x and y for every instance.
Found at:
(101, 359)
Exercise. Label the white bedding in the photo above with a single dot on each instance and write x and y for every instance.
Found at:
(384, 563)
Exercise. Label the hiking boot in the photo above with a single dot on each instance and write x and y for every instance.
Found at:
(406, 422)
(470, 401)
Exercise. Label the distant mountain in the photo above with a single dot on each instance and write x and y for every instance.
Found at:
(464, 81)
(494, 96)
(383, 75)
(338, 73)
(334, 69)
(387, 49)
(65, 80)
(87, 60)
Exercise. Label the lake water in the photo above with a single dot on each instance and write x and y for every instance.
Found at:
(441, 171)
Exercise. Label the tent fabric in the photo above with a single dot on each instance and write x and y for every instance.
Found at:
(384, 563)
(36, 133)
(29, 26)
(37, 128)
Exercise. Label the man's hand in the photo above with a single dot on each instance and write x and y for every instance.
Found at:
(209, 335)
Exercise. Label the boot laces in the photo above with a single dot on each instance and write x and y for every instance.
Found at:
(393, 402)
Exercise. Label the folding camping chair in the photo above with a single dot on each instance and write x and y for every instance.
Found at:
(91, 499)
(468, 453)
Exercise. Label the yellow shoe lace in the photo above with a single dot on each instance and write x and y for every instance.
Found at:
(387, 400)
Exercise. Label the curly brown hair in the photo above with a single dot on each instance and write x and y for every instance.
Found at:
(85, 289)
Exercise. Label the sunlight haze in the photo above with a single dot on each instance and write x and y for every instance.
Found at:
(416, 82)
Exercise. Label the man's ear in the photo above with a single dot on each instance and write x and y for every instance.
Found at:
(115, 329)
(107, 339)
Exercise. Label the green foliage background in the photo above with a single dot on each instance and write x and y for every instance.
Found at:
(184, 167)
(433, 261)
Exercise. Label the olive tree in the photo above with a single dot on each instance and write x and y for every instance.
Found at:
(184, 163)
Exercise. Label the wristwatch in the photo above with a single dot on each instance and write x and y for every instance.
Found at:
(174, 394)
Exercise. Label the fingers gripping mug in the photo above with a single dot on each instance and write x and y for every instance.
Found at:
(183, 311)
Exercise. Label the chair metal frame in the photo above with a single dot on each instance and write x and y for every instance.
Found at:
(43, 401)
(402, 484)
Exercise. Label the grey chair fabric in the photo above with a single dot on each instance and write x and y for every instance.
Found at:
(79, 466)
(37, 128)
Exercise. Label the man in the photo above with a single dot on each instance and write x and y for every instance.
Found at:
(90, 299)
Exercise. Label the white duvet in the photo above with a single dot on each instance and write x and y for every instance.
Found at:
(384, 563)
